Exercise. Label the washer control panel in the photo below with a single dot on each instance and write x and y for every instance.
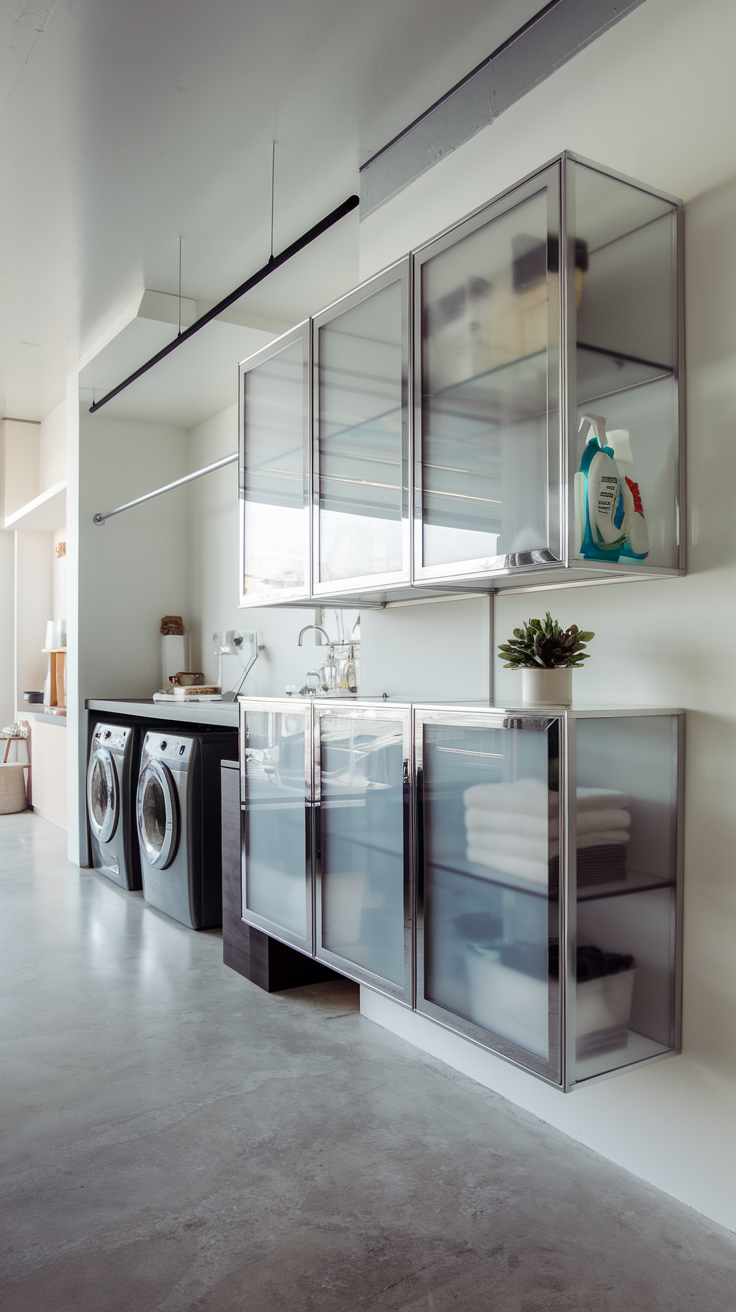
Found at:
(168, 747)
(112, 735)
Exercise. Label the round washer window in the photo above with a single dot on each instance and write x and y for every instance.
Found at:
(153, 816)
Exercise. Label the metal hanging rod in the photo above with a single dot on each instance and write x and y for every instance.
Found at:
(178, 482)
(275, 262)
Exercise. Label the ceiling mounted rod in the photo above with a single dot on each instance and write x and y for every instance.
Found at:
(99, 519)
(275, 262)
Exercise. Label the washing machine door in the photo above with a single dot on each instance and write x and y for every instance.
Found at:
(157, 814)
(103, 796)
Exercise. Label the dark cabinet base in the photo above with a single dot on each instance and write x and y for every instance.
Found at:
(254, 955)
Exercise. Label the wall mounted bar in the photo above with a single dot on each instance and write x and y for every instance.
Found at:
(99, 519)
(274, 263)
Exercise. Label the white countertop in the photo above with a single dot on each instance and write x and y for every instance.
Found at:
(223, 714)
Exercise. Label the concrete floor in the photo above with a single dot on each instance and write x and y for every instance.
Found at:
(173, 1138)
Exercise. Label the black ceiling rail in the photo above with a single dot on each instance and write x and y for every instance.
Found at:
(274, 263)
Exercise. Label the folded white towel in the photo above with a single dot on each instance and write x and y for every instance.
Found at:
(507, 863)
(496, 847)
(523, 797)
(499, 822)
(532, 797)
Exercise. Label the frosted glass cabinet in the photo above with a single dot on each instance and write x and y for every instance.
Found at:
(559, 300)
(514, 875)
(548, 884)
(441, 421)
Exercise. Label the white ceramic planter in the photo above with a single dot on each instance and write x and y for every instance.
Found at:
(541, 687)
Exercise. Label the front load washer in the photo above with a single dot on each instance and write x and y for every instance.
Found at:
(112, 773)
(178, 819)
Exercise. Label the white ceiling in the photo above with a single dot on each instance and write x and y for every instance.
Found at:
(125, 124)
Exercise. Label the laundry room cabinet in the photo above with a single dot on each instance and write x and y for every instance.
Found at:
(431, 431)
(513, 875)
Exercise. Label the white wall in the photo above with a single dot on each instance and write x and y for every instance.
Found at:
(20, 464)
(121, 578)
(33, 607)
(655, 98)
(7, 571)
(52, 448)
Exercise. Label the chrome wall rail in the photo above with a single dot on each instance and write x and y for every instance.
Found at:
(99, 519)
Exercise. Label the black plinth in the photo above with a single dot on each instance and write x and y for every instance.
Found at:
(254, 955)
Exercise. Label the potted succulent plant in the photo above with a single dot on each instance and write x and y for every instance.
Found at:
(546, 655)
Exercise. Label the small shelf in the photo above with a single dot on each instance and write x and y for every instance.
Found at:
(518, 389)
(44, 514)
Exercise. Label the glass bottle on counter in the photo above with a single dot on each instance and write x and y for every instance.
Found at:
(329, 673)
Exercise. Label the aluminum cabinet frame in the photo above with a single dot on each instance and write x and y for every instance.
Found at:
(388, 582)
(329, 712)
(561, 1070)
(285, 596)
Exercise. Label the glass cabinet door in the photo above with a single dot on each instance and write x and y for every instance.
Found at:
(275, 775)
(361, 464)
(487, 423)
(363, 902)
(274, 471)
(624, 990)
(488, 917)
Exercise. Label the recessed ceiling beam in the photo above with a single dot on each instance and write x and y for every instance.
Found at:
(532, 54)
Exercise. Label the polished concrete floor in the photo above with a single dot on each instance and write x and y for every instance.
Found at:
(173, 1138)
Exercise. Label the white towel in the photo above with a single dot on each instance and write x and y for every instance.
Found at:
(532, 797)
(536, 826)
(507, 863)
(496, 850)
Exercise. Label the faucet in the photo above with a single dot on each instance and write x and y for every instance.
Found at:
(319, 629)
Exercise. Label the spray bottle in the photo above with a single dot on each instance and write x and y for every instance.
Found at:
(600, 510)
(637, 546)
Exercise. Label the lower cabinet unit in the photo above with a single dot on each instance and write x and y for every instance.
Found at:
(513, 874)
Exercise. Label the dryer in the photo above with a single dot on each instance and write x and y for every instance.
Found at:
(178, 820)
(112, 773)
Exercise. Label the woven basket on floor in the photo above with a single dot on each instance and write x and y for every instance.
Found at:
(12, 788)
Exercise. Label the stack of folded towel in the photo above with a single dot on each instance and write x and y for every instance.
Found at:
(514, 828)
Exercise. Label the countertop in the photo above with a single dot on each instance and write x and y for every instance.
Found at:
(224, 714)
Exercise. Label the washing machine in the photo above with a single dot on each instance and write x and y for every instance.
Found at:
(178, 819)
(112, 775)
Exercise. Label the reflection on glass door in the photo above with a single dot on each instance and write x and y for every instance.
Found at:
(488, 304)
(275, 756)
(361, 435)
(363, 893)
(489, 842)
(274, 471)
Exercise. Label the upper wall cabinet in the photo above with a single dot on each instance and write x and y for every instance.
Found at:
(547, 433)
(542, 338)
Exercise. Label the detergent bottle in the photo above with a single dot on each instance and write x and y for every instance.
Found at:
(637, 546)
(600, 509)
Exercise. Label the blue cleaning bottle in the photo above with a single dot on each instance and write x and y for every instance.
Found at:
(600, 509)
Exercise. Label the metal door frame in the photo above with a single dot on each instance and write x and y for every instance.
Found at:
(401, 712)
(165, 779)
(300, 333)
(399, 272)
(279, 706)
(476, 571)
(551, 1071)
(105, 757)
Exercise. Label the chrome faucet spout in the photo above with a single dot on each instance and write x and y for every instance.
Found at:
(319, 629)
